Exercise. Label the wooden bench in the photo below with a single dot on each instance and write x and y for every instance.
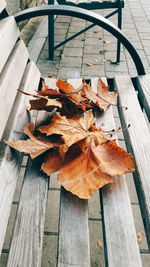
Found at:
(120, 241)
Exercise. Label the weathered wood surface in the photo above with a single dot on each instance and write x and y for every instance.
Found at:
(9, 33)
(119, 231)
(10, 160)
(139, 136)
(2, 5)
(144, 93)
(26, 246)
(74, 249)
(10, 79)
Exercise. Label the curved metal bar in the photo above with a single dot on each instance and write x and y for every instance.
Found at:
(86, 15)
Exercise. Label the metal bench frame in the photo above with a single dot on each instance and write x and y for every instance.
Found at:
(117, 5)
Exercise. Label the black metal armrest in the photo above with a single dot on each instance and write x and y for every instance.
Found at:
(89, 16)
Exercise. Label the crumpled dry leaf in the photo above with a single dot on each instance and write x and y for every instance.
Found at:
(103, 92)
(85, 172)
(34, 146)
(43, 103)
(81, 153)
(72, 130)
(139, 237)
(103, 99)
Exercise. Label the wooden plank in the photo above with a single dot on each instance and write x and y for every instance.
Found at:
(144, 93)
(9, 33)
(2, 5)
(74, 249)
(121, 248)
(139, 136)
(26, 246)
(10, 79)
(10, 160)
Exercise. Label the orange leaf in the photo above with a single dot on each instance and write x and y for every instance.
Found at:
(83, 176)
(72, 130)
(34, 146)
(103, 92)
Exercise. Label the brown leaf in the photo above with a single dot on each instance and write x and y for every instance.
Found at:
(103, 92)
(62, 56)
(58, 67)
(139, 237)
(89, 64)
(83, 176)
(34, 146)
(103, 99)
(72, 130)
(42, 103)
(99, 243)
(51, 74)
(68, 89)
(114, 159)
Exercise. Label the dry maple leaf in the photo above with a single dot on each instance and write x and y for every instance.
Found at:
(68, 89)
(103, 92)
(72, 130)
(103, 99)
(43, 103)
(85, 172)
(34, 146)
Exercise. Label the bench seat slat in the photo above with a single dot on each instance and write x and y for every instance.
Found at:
(9, 33)
(140, 140)
(10, 79)
(119, 231)
(144, 93)
(26, 246)
(74, 248)
(74, 232)
(2, 5)
(10, 160)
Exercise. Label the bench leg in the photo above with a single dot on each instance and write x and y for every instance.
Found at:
(51, 33)
(118, 42)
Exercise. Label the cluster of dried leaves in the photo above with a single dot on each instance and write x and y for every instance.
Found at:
(71, 143)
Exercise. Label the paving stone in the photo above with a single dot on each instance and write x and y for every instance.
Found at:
(139, 226)
(93, 41)
(68, 73)
(10, 226)
(122, 67)
(93, 71)
(75, 43)
(147, 50)
(94, 206)
(78, 23)
(89, 49)
(96, 252)
(52, 211)
(73, 52)
(3, 259)
(53, 181)
(75, 29)
(93, 59)
(145, 259)
(60, 31)
(69, 61)
(49, 253)
(80, 37)
(63, 19)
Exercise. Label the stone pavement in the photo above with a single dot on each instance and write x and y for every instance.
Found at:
(71, 62)
(86, 48)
